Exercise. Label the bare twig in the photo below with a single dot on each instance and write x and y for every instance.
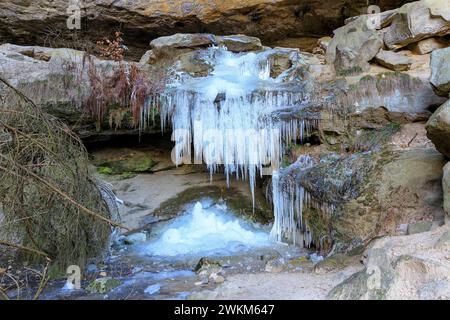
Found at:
(44, 280)
(3, 294)
(64, 195)
(17, 246)
(16, 283)
(409, 143)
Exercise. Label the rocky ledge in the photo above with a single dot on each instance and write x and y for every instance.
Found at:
(141, 21)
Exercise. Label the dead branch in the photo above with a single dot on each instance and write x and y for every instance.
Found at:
(64, 195)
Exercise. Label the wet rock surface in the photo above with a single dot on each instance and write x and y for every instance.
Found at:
(61, 82)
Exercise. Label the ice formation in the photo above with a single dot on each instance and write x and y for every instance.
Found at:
(289, 199)
(228, 120)
(227, 115)
(206, 230)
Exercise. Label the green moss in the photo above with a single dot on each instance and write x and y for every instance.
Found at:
(145, 165)
(349, 72)
(134, 164)
(103, 285)
(104, 170)
(127, 175)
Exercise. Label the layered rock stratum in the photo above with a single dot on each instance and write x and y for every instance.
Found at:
(43, 22)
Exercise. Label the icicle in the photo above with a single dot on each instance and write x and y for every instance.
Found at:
(289, 199)
(227, 116)
(225, 119)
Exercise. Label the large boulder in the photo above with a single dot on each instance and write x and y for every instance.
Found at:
(182, 51)
(360, 197)
(416, 21)
(240, 43)
(353, 46)
(371, 101)
(346, 105)
(438, 128)
(440, 70)
(170, 48)
(44, 22)
(181, 41)
(399, 268)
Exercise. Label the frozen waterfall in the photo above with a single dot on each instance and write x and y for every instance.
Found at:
(229, 120)
(227, 116)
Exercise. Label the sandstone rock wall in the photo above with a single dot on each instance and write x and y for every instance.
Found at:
(44, 22)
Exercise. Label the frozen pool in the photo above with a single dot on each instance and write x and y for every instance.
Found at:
(205, 229)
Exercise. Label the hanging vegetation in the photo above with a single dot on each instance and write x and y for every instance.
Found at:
(122, 93)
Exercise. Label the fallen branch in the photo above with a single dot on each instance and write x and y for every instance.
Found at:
(409, 143)
(45, 173)
(44, 280)
(20, 94)
(17, 246)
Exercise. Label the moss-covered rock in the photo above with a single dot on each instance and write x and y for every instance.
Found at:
(418, 227)
(135, 164)
(359, 197)
(334, 263)
(103, 285)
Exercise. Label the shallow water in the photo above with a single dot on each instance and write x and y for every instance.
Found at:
(164, 266)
